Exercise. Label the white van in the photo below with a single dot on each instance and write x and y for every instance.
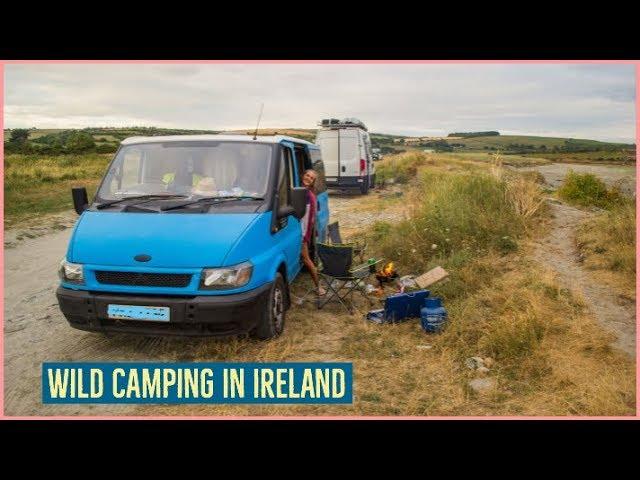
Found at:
(346, 153)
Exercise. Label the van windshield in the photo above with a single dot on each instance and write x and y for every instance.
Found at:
(191, 169)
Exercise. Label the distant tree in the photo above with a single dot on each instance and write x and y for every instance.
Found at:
(78, 142)
(474, 134)
(19, 136)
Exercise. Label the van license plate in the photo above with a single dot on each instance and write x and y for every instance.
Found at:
(331, 179)
(135, 312)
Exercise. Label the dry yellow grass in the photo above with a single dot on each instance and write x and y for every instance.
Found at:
(608, 246)
(550, 356)
(525, 196)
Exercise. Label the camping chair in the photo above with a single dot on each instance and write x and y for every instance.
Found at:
(333, 231)
(340, 277)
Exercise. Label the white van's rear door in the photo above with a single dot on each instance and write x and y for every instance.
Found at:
(349, 153)
(328, 142)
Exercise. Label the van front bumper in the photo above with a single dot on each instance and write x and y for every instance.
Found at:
(203, 315)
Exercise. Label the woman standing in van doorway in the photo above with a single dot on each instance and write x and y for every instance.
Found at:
(307, 224)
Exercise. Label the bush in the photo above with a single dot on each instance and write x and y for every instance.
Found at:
(460, 217)
(78, 142)
(19, 136)
(586, 189)
(525, 195)
(106, 148)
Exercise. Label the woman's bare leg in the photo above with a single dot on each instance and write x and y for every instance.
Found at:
(306, 258)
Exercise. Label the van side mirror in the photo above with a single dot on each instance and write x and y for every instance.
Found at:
(80, 199)
(286, 211)
(298, 205)
(299, 201)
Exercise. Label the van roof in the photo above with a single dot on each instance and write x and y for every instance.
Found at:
(225, 138)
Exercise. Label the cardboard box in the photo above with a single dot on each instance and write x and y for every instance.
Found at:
(431, 277)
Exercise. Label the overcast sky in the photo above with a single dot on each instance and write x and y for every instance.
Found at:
(580, 101)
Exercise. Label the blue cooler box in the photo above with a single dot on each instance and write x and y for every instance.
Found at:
(399, 307)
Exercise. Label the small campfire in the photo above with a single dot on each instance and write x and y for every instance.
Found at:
(387, 274)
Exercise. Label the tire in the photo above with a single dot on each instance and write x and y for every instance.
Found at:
(364, 186)
(272, 319)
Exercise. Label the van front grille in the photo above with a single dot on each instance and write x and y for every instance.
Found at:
(144, 279)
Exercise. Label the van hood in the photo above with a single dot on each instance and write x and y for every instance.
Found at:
(171, 240)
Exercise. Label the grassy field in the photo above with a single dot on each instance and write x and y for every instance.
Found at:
(476, 219)
(546, 353)
(37, 133)
(476, 222)
(617, 157)
(506, 159)
(35, 185)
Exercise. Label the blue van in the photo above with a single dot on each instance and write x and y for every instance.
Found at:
(191, 235)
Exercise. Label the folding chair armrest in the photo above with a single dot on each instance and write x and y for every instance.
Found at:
(364, 266)
(357, 268)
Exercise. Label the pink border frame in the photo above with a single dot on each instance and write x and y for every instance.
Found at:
(338, 62)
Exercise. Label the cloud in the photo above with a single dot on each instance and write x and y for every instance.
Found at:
(589, 101)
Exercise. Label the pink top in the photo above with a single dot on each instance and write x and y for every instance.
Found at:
(309, 218)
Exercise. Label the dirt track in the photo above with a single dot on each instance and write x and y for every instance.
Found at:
(558, 252)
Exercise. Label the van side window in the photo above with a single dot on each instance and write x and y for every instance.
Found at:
(318, 166)
(302, 162)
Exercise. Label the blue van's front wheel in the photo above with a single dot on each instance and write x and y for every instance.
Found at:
(271, 322)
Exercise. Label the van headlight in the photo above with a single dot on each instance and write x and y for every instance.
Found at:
(227, 277)
(70, 272)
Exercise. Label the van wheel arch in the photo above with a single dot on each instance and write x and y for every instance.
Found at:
(272, 318)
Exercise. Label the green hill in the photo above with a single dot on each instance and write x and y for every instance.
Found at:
(522, 143)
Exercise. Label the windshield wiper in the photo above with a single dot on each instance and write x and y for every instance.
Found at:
(139, 197)
(214, 200)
